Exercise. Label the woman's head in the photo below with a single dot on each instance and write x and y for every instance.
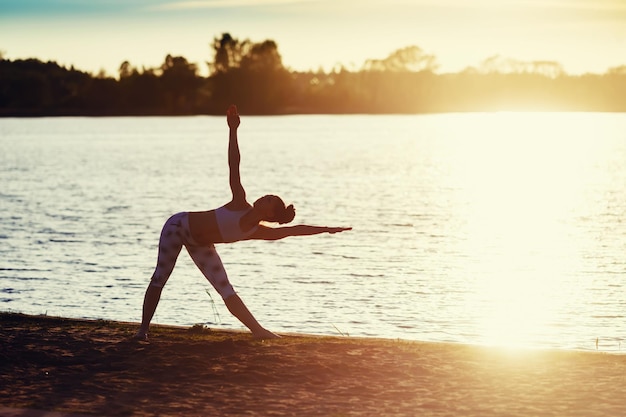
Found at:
(273, 209)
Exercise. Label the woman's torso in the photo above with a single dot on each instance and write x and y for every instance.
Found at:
(222, 225)
(203, 227)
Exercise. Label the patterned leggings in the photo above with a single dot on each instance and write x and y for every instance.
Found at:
(174, 236)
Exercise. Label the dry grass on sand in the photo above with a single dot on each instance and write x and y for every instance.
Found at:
(93, 367)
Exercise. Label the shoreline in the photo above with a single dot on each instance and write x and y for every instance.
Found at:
(93, 367)
(608, 345)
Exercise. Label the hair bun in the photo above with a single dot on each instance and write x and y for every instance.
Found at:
(288, 214)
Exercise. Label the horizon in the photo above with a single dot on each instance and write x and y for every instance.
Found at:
(584, 36)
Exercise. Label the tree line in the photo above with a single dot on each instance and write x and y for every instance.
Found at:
(252, 75)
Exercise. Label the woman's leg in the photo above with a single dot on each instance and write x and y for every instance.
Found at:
(238, 309)
(170, 245)
(209, 262)
(150, 302)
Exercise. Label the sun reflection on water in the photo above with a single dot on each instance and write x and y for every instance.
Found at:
(518, 196)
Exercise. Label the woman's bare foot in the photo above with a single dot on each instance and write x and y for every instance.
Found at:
(264, 334)
(141, 336)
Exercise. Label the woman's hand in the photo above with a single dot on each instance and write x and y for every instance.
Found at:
(232, 117)
(333, 230)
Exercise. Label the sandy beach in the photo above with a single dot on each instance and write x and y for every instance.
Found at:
(94, 368)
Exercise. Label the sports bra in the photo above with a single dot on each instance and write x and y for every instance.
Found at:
(228, 223)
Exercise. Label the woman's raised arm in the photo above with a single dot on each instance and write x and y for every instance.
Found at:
(234, 158)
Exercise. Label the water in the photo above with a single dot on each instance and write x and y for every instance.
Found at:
(501, 228)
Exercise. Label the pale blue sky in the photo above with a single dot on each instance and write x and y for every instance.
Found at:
(583, 35)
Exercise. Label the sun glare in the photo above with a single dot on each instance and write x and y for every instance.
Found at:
(520, 185)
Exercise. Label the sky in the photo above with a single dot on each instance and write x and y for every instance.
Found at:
(93, 35)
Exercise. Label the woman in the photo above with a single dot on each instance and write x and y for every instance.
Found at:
(235, 221)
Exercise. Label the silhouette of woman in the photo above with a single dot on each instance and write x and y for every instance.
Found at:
(235, 221)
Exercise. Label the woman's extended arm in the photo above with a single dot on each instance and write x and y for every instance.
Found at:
(275, 233)
(234, 158)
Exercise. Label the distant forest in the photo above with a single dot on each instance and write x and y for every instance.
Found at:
(253, 76)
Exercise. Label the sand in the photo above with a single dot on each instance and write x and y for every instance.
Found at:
(95, 368)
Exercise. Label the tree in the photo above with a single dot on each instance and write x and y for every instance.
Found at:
(550, 69)
(228, 53)
(250, 74)
(262, 56)
(409, 59)
(620, 70)
(499, 64)
(126, 70)
(180, 84)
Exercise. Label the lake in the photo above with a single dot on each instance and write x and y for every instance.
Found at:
(483, 228)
